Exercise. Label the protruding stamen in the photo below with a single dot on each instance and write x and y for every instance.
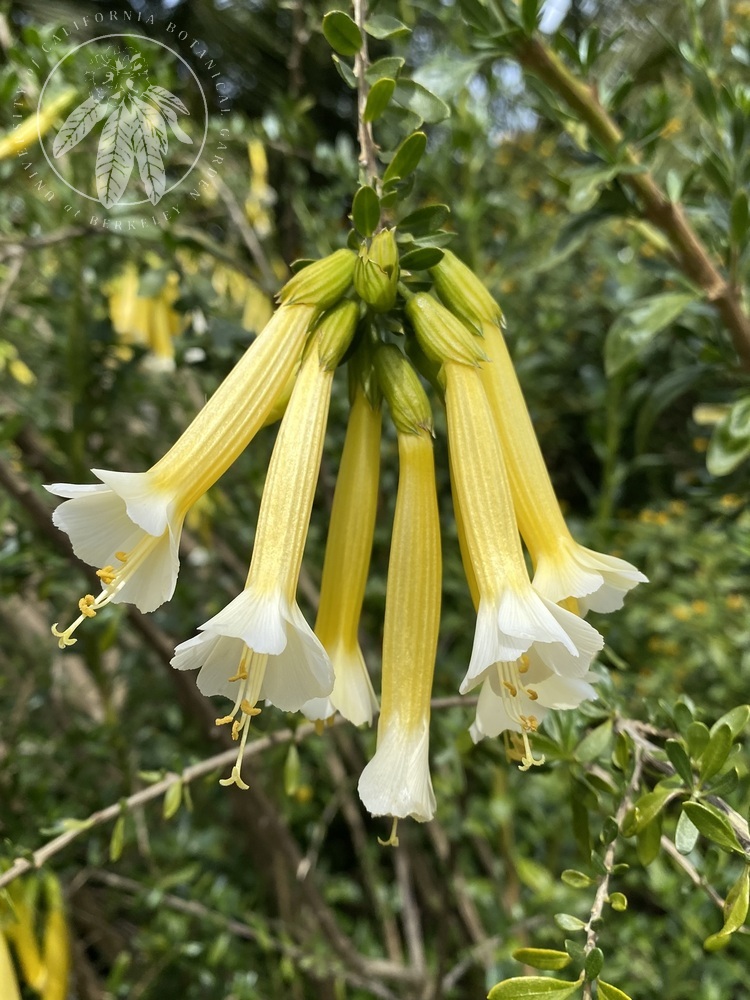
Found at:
(224, 720)
(523, 664)
(122, 556)
(107, 574)
(65, 638)
(235, 779)
(393, 839)
(531, 694)
(511, 688)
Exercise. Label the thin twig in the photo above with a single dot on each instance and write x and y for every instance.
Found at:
(14, 269)
(602, 892)
(368, 160)
(246, 231)
(667, 216)
(155, 791)
(246, 932)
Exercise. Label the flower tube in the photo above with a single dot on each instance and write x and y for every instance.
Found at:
(345, 566)
(563, 568)
(396, 782)
(130, 523)
(260, 646)
(512, 617)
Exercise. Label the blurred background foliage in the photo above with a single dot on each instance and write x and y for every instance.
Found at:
(109, 344)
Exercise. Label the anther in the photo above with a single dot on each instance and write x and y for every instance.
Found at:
(106, 574)
(511, 688)
(531, 694)
(248, 709)
(85, 606)
(236, 728)
(122, 556)
(224, 720)
(523, 664)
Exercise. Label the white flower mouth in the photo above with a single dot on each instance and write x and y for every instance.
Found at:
(598, 581)
(259, 647)
(397, 782)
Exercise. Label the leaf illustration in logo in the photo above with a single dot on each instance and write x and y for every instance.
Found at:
(169, 105)
(78, 124)
(147, 143)
(156, 121)
(165, 98)
(114, 160)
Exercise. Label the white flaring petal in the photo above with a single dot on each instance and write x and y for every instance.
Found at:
(598, 581)
(396, 782)
(95, 519)
(298, 668)
(519, 621)
(353, 695)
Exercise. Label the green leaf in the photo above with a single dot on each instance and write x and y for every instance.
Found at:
(648, 841)
(737, 903)
(577, 879)
(421, 259)
(648, 807)
(594, 963)
(172, 800)
(618, 901)
(366, 211)
(531, 987)
(586, 186)
(594, 744)
(345, 72)
(341, 33)
(379, 97)
(686, 834)
(736, 718)
(713, 825)
(388, 66)
(635, 328)
(385, 26)
(117, 840)
(730, 441)
(568, 922)
(414, 97)
(680, 761)
(291, 770)
(697, 736)
(542, 958)
(407, 157)
(716, 941)
(608, 992)
(425, 220)
(715, 755)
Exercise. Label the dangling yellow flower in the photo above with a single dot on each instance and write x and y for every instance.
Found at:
(19, 930)
(396, 782)
(346, 562)
(563, 568)
(56, 944)
(29, 130)
(8, 982)
(259, 645)
(130, 524)
(512, 617)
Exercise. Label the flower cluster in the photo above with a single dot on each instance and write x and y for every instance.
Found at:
(532, 648)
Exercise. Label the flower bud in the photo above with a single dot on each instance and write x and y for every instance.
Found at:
(399, 382)
(321, 283)
(376, 271)
(441, 335)
(334, 333)
(463, 293)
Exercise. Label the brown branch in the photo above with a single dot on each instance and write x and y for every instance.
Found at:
(368, 160)
(670, 218)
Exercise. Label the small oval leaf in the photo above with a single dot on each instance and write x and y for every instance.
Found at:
(715, 755)
(533, 987)
(366, 211)
(341, 33)
(406, 158)
(542, 958)
(607, 991)
(713, 825)
(421, 259)
(637, 326)
(686, 834)
(379, 97)
(730, 441)
(172, 800)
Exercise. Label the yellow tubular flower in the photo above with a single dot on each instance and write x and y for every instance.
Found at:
(563, 568)
(511, 617)
(130, 524)
(396, 782)
(8, 983)
(260, 646)
(29, 130)
(20, 932)
(347, 560)
(56, 946)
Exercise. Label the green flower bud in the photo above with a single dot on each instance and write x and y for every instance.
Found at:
(463, 292)
(334, 333)
(322, 283)
(399, 382)
(441, 335)
(376, 271)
